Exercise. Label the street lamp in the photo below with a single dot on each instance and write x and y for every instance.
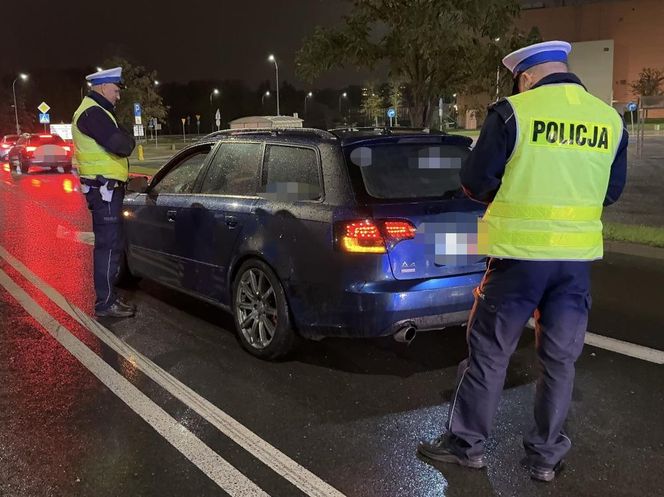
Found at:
(276, 69)
(156, 83)
(497, 74)
(213, 93)
(343, 95)
(308, 96)
(23, 77)
(99, 69)
(266, 94)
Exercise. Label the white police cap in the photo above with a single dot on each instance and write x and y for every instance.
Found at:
(539, 53)
(106, 76)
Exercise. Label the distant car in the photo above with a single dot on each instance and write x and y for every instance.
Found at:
(44, 151)
(6, 143)
(347, 233)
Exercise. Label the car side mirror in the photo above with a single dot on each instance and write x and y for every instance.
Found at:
(138, 184)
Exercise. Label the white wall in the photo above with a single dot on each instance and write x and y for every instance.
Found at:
(592, 61)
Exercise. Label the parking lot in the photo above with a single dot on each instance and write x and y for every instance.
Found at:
(167, 403)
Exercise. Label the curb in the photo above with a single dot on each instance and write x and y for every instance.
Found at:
(634, 249)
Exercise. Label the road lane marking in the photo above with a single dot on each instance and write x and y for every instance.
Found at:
(618, 346)
(226, 476)
(86, 237)
(269, 455)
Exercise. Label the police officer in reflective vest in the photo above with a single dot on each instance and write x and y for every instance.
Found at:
(548, 159)
(102, 147)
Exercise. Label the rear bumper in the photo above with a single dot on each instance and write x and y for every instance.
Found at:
(382, 308)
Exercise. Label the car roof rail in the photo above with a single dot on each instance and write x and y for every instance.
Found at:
(321, 133)
(382, 131)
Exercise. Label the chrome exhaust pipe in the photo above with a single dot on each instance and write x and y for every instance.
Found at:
(405, 334)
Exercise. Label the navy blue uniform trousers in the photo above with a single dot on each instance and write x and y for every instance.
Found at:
(109, 244)
(557, 294)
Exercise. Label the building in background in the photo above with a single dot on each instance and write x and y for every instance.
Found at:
(631, 32)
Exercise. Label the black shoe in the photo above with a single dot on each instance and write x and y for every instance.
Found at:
(542, 473)
(124, 305)
(440, 449)
(115, 311)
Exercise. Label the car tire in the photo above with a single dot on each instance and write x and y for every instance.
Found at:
(269, 334)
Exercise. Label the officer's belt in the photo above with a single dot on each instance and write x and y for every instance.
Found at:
(100, 181)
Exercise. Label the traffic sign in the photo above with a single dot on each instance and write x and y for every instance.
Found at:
(217, 115)
(391, 112)
(631, 107)
(184, 120)
(137, 110)
(44, 118)
(198, 117)
(138, 120)
(139, 130)
(43, 107)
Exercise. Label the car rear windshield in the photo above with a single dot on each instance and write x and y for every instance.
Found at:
(46, 140)
(404, 170)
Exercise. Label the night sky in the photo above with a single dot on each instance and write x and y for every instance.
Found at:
(186, 40)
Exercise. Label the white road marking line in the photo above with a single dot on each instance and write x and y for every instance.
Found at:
(619, 346)
(87, 237)
(269, 455)
(226, 476)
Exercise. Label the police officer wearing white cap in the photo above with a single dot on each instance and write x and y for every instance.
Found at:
(101, 150)
(548, 159)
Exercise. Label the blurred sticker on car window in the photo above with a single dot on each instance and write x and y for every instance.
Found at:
(361, 156)
(432, 158)
(289, 191)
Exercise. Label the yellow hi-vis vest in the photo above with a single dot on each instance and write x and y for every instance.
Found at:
(92, 159)
(549, 204)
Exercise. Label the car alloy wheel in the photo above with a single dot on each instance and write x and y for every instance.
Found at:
(256, 308)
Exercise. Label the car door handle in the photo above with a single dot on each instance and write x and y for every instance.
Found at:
(231, 221)
(171, 215)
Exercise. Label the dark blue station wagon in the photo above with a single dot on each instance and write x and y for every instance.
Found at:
(347, 233)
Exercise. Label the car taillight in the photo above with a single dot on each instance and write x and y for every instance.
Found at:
(30, 149)
(67, 149)
(360, 237)
(371, 237)
(399, 230)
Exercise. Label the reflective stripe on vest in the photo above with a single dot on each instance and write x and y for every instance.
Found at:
(91, 159)
(549, 204)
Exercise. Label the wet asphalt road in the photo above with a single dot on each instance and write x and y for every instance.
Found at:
(350, 412)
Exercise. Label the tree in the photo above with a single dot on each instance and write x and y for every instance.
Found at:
(649, 82)
(431, 49)
(481, 77)
(141, 88)
(373, 103)
(27, 120)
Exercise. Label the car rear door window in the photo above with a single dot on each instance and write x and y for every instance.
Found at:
(407, 170)
(234, 170)
(291, 173)
(182, 176)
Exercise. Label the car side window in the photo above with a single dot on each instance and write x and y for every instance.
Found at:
(234, 170)
(182, 177)
(291, 174)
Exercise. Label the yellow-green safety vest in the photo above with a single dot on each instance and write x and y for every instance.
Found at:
(549, 204)
(92, 159)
